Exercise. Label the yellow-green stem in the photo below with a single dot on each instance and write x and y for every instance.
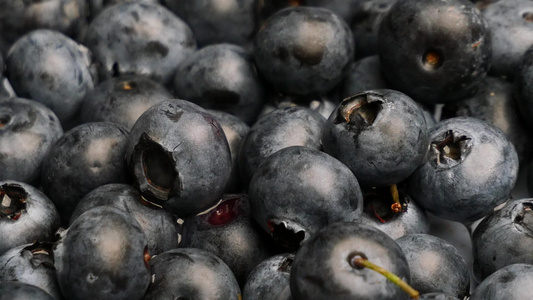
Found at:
(362, 262)
(396, 205)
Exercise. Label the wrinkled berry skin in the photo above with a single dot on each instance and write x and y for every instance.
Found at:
(381, 135)
(213, 21)
(524, 88)
(153, 41)
(435, 265)
(83, 159)
(26, 215)
(335, 277)
(28, 130)
(471, 167)
(103, 256)
(189, 273)
(511, 282)
(503, 238)
(31, 264)
(48, 67)
(511, 27)
(159, 226)
(423, 55)
(270, 279)
(281, 128)
(299, 190)
(235, 130)
(304, 50)
(221, 77)
(495, 103)
(19, 17)
(14, 290)
(122, 100)
(179, 157)
(228, 231)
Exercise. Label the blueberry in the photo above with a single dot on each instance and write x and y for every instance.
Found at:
(511, 28)
(365, 74)
(511, 282)
(323, 268)
(103, 255)
(96, 6)
(524, 88)
(228, 231)
(179, 157)
(31, 264)
(437, 296)
(435, 265)
(122, 100)
(304, 50)
(495, 104)
(159, 226)
(281, 128)
(235, 130)
(83, 159)
(270, 280)
(427, 56)
(323, 105)
(215, 21)
(298, 190)
(470, 168)
(377, 213)
(14, 290)
(28, 130)
(221, 77)
(139, 38)
(381, 135)
(189, 273)
(21, 17)
(503, 238)
(48, 67)
(26, 215)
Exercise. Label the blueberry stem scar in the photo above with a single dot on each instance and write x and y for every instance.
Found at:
(361, 262)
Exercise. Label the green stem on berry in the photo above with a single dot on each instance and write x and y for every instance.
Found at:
(396, 206)
(361, 262)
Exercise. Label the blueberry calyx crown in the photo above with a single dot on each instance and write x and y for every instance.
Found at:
(4, 120)
(287, 234)
(432, 59)
(523, 218)
(154, 169)
(360, 110)
(12, 201)
(40, 254)
(286, 264)
(450, 149)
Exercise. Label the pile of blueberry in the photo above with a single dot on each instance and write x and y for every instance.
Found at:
(261, 150)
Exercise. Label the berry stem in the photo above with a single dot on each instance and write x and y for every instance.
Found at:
(396, 206)
(364, 263)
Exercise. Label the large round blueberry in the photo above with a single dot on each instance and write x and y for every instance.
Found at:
(281, 128)
(122, 100)
(28, 130)
(511, 28)
(323, 268)
(26, 215)
(179, 157)
(14, 290)
(159, 226)
(381, 135)
(103, 255)
(503, 238)
(31, 264)
(270, 280)
(435, 265)
(48, 67)
(435, 51)
(216, 21)
(228, 231)
(298, 190)
(139, 38)
(83, 159)
(304, 50)
(221, 77)
(511, 282)
(470, 168)
(189, 273)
